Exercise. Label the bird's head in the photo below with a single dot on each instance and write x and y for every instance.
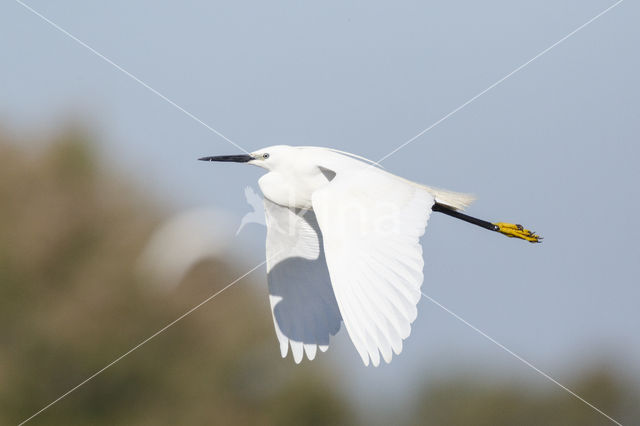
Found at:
(267, 158)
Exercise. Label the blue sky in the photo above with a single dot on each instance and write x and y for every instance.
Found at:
(554, 147)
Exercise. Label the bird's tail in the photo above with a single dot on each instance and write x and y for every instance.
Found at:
(455, 200)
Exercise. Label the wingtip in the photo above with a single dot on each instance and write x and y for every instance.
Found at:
(310, 350)
(365, 359)
(284, 349)
(297, 351)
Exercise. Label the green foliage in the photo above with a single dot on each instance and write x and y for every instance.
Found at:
(470, 401)
(71, 302)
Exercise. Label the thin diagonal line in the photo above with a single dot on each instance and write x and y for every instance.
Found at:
(518, 357)
(500, 81)
(109, 61)
(190, 311)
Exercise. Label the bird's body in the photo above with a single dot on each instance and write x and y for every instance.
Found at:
(292, 182)
(343, 247)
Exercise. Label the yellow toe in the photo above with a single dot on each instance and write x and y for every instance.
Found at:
(517, 231)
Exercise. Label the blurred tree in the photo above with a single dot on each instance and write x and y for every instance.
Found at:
(471, 401)
(70, 302)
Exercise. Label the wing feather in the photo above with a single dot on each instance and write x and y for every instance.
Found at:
(304, 308)
(371, 223)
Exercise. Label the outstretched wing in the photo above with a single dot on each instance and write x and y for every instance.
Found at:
(305, 312)
(371, 222)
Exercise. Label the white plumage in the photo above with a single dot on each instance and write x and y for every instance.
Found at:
(342, 247)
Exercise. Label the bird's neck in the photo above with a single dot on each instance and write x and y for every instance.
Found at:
(292, 190)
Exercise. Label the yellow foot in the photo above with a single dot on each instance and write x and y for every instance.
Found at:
(517, 231)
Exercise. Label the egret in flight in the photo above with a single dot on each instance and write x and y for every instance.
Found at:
(343, 246)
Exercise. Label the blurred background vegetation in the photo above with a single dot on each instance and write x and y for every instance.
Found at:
(71, 302)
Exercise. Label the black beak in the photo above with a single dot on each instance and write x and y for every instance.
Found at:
(244, 158)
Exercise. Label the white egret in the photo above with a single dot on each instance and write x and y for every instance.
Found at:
(343, 246)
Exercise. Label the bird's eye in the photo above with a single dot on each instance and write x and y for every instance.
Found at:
(265, 156)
